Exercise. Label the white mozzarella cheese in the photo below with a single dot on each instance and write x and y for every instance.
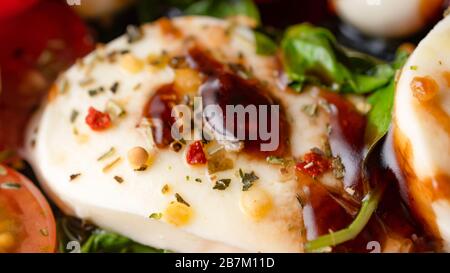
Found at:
(385, 18)
(266, 218)
(422, 129)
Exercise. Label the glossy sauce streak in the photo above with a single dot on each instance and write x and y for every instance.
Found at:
(426, 90)
(221, 87)
(392, 218)
(392, 225)
(321, 212)
(439, 115)
(347, 138)
(159, 111)
(417, 194)
(326, 211)
(224, 88)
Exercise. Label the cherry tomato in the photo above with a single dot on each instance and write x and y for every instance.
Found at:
(14, 7)
(37, 44)
(26, 219)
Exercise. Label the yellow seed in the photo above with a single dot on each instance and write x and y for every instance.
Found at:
(6, 240)
(131, 63)
(157, 62)
(165, 189)
(82, 138)
(256, 203)
(138, 157)
(177, 214)
(187, 80)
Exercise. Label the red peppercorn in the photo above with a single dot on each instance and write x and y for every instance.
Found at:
(195, 154)
(97, 120)
(313, 164)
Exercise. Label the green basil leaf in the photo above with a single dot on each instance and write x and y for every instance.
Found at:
(102, 241)
(264, 45)
(309, 56)
(312, 55)
(380, 115)
(225, 8)
(368, 207)
(382, 102)
(375, 78)
(296, 86)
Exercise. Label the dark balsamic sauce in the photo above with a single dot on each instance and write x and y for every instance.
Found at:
(323, 209)
(392, 219)
(221, 87)
(224, 88)
(347, 138)
(159, 111)
(321, 212)
(326, 211)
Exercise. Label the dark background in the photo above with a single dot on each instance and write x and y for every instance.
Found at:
(276, 15)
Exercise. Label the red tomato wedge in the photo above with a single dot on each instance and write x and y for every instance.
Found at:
(27, 224)
(12, 8)
(36, 45)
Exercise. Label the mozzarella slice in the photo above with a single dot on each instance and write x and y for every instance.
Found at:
(266, 218)
(422, 129)
(400, 17)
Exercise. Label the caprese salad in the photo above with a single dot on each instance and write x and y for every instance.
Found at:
(207, 132)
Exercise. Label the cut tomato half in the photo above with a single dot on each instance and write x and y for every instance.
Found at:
(27, 224)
